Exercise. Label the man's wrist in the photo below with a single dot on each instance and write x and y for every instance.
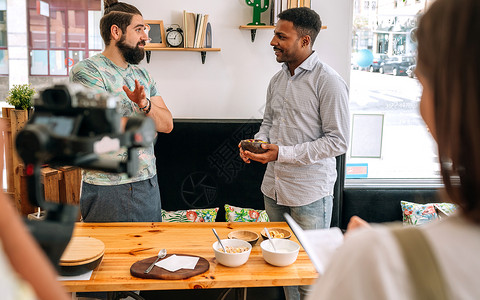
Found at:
(145, 106)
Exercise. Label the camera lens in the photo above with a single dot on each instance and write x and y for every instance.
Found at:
(56, 99)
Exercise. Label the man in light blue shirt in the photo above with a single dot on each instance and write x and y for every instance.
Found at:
(109, 197)
(306, 122)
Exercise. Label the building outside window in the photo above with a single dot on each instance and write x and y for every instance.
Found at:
(389, 138)
(61, 34)
(3, 38)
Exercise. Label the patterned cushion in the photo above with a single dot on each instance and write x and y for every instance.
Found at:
(190, 215)
(239, 214)
(418, 214)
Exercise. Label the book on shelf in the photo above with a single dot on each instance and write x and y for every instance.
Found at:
(280, 5)
(203, 31)
(194, 28)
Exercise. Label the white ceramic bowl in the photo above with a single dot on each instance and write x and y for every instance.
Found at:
(232, 259)
(287, 252)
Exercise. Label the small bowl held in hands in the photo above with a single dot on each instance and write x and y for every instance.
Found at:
(237, 254)
(276, 233)
(245, 235)
(253, 145)
(286, 252)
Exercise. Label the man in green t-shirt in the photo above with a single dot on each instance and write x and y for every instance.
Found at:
(108, 197)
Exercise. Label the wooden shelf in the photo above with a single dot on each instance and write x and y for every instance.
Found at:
(203, 51)
(253, 29)
(257, 26)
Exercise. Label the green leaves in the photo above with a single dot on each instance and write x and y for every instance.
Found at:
(20, 96)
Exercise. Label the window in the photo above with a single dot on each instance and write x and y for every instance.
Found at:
(3, 38)
(67, 34)
(382, 86)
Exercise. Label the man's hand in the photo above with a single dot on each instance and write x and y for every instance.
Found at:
(243, 154)
(138, 95)
(270, 155)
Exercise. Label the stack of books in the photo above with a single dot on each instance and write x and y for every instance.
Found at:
(194, 29)
(280, 5)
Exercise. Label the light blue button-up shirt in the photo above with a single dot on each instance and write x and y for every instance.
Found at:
(307, 116)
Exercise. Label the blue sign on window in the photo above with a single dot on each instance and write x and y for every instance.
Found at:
(357, 170)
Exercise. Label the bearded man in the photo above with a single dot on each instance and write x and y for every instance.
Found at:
(108, 197)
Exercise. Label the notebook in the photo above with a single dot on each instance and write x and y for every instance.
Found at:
(320, 244)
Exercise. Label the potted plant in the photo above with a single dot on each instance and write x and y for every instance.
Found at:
(20, 96)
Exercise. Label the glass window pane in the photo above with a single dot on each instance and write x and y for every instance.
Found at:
(3, 61)
(94, 37)
(76, 29)
(3, 28)
(94, 4)
(58, 63)
(74, 57)
(57, 28)
(39, 60)
(38, 30)
(92, 53)
(381, 84)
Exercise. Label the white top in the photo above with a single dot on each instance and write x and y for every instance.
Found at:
(370, 264)
(12, 287)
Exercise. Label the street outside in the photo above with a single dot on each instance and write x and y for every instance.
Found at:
(408, 151)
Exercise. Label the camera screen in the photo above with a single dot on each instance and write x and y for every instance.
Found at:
(62, 126)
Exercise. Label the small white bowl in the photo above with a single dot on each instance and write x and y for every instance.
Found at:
(232, 259)
(287, 252)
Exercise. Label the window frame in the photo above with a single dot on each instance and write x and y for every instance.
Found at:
(5, 48)
(84, 6)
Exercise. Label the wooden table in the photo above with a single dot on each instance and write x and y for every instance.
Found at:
(126, 243)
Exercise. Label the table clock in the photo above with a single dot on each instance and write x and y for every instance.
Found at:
(174, 36)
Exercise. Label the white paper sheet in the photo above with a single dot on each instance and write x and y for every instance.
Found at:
(84, 276)
(319, 244)
(175, 263)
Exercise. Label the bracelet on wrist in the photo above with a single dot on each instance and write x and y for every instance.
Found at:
(149, 107)
(143, 108)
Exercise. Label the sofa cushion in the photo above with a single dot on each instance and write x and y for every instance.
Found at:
(419, 214)
(190, 215)
(240, 214)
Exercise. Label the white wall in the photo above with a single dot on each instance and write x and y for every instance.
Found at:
(232, 83)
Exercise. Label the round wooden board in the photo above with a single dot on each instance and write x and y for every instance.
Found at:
(81, 249)
(138, 269)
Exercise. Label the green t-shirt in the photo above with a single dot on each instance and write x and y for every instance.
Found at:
(101, 73)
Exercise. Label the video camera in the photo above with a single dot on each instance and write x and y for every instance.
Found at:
(73, 125)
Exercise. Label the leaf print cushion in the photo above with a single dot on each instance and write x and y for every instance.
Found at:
(418, 214)
(190, 215)
(239, 214)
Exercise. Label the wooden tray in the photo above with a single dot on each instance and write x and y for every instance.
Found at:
(138, 269)
(81, 250)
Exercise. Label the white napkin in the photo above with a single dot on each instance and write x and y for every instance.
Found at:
(175, 263)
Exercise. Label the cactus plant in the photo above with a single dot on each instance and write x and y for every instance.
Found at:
(257, 10)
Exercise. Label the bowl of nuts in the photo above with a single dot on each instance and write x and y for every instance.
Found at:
(276, 233)
(246, 235)
(253, 145)
(237, 252)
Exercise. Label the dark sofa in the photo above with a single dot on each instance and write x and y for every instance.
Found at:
(198, 167)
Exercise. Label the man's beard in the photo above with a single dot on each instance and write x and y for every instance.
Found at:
(132, 55)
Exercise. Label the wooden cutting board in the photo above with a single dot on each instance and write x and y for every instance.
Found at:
(138, 269)
(81, 250)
